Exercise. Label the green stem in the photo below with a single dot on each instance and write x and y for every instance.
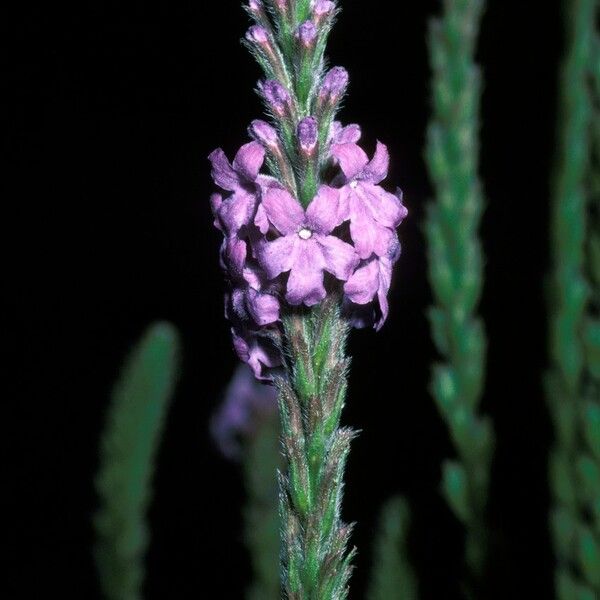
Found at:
(316, 564)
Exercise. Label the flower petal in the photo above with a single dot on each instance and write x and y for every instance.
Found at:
(249, 160)
(362, 287)
(237, 211)
(283, 210)
(278, 256)
(266, 181)
(264, 308)
(256, 351)
(216, 200)
(346, 135)
(385, 280)
(261, 220)
(305, 284)
(385, 208)
(235, 253)
(363, 229)
(340, 257)
(253, 276)
(324, 213)
(352, 159)
(222, 172)
(377, 169)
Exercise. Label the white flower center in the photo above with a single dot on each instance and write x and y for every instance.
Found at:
(354, 184)
(305, 234)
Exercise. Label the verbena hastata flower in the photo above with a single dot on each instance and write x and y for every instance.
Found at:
(309, 245)
(306, 248)
(275, 251)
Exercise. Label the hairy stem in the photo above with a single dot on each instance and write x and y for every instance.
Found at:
(315, 561)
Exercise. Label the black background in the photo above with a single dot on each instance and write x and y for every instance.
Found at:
(114, 107)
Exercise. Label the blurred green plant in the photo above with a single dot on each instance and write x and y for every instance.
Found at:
(262, 459)
(573, 383)
(392, 576)
(456, 270)
(132, 434)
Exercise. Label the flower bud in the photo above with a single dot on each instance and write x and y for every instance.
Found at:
(323, 8)
(277, 97)
(258, 35)
(307, 34)
(334, 84)
(262, 132)
(308, 134)
(255, 6)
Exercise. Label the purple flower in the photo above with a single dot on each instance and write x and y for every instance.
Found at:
(307, 34)
(373, 212)
(345, 135)
(334, 84)
(276, 96)
(257, 34)
(245, 404)
(308, 134)
(372, 280)
(233, 255)
(239, 209)
(253, 300)
(264, 133)
(305, 249)
(258, 351)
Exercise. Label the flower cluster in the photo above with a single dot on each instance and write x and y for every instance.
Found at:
(276, 251)
(319, 223)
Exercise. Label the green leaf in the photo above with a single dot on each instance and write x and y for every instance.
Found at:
(591, 425)
(589, 556)
(456, 489)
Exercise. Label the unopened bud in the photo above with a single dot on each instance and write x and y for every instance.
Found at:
(322, 8)
(334, 84)
(255, 6)
(276, 96)
(307, 34)
(262, 132)
(308, 134)
(257, 34)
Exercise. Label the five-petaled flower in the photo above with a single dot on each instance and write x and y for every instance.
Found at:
(374, 213)
(305, 247)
